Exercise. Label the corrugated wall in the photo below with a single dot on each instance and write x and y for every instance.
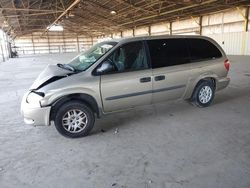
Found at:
(227, 28)
(160, 29)
(52, 42)
(234, 43)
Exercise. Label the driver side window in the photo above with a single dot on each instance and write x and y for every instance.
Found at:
(129, 57)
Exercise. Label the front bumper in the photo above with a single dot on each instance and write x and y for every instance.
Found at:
(222, 83)
(36, 116)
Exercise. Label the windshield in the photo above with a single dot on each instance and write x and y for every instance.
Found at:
(83, 61)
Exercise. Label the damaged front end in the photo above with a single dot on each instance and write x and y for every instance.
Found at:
(33, 111)
(50, 74)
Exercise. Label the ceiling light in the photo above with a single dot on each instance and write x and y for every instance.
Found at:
(55, 28)
(113, 12)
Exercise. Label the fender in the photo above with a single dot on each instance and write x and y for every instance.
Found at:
(85, 98)
(192, 83)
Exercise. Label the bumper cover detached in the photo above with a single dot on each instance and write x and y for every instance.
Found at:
(36, 116)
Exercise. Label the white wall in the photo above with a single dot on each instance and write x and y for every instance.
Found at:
(160, 29)
(227, 28)
(190, 26)
(127, 33)
(141, 31)
(237, 43)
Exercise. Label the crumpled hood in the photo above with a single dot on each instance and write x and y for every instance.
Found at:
(49, 74)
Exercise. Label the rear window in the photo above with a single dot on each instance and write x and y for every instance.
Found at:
(168, 52)
(201, 49)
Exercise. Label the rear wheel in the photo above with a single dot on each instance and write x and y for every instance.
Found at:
(74, 119)
(203, 94)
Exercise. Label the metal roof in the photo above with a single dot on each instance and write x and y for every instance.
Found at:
(99, 17)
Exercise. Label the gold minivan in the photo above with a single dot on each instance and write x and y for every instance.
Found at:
(125, 73)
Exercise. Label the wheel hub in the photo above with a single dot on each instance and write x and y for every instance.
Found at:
(74, 121)
(205, 94)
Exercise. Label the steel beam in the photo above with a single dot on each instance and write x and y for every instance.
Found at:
(28, 10)
(61, 15)
(168, 12)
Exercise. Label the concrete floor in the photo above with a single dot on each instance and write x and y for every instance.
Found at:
(169, 145)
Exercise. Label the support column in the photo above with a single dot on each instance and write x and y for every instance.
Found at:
(92, 41)
(246, 19)
(77, 40)
(244, 34)
(48, 41)
(2, 46)
(200, 25)
(64, 46)
(170, 28)
(2, 51)
(6, 43)
(149, 30)
(32, 40)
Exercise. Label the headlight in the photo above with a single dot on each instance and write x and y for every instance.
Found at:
(34, 99)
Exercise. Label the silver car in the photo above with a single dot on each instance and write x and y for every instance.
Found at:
(126, 73)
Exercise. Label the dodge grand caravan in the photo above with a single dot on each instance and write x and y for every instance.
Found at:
(121, 74)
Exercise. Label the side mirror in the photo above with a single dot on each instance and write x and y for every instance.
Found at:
(106, 67)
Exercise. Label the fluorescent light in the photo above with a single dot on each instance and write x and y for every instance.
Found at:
(55, 28)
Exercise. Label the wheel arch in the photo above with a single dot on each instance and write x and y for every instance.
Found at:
(84, 98)
(191, 87)
(211, 79)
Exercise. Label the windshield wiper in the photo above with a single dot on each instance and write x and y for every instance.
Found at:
(66, 66)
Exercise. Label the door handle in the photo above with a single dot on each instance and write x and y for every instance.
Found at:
(159, 78)
(145, 79)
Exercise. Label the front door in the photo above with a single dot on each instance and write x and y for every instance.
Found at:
(130, 84)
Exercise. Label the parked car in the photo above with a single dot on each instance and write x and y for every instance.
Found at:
(125, 73)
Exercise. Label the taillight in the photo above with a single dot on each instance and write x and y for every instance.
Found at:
(227, 64)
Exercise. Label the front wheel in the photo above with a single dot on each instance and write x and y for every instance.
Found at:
(203, 94)
(74, 119)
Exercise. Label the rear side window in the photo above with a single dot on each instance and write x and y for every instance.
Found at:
(201, 49)
(168, 52)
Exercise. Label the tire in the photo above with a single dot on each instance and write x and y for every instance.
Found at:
(203, 94)
(74, 119)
